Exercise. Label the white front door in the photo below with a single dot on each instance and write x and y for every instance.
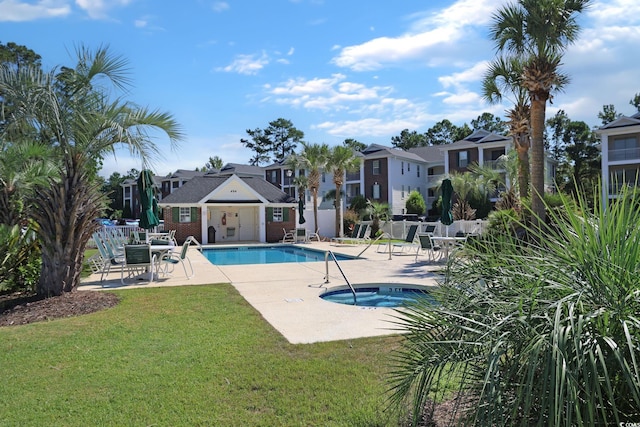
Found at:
(248, 224)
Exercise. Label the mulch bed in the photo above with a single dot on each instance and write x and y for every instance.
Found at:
(24, 308)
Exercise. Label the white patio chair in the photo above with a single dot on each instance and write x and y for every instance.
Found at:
(288, 237)
(174, 258)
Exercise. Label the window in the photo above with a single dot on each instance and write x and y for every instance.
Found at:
(324, 177)
(376, 191)
(418, 170)
(277, 215)
(402, 193)
(463, 159)
(401, 168)
(274, 176)
(376, 167)
(127, 192)
(185, 214)
(624, 149)
(408, 167)
(175, 184)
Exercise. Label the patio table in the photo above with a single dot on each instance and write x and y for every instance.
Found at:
(447, 243)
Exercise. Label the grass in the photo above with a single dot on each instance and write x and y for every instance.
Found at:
(191, 355)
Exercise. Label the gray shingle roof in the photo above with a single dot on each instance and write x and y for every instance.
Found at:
(430, 154)
(196, 189)
(376, 150)
(623, 121)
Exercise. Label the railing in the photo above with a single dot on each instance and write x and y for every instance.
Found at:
(624, 154)
(326, 277)
(381, 236)
(493, 164)
(193, 240)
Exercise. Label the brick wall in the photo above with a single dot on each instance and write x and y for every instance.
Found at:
(274, 229)
(183, 229)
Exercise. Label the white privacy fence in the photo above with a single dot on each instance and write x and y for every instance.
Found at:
(397, 229)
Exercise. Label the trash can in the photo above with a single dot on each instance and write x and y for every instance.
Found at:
(211, 234)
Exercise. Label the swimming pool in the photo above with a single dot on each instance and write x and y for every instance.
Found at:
(239, 255)
(378, 295)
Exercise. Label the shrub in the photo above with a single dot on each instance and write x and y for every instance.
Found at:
(415, 203)
(350, 218)
(21, 260)
(543, 332)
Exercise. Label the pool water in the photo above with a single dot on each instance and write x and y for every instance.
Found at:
(380, 296)
(239, 255)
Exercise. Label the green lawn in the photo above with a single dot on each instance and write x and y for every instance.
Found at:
(190, 355)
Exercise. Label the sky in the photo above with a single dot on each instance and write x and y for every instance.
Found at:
(336, 69)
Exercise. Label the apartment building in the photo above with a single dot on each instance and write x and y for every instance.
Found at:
(620, 153)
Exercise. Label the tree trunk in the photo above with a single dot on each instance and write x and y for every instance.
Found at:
(314, 193)
(65, 212)
(538, 107)
(522, 148)
(339, 227)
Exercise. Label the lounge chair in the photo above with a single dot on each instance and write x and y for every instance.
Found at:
(353, 235)
(409, 241)
(426, 245)
(107, 258)
(430, 229)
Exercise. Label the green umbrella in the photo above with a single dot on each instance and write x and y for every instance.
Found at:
(301, 219)
(149, 215)
(447, 192)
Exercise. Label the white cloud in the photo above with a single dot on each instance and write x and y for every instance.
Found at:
(246, 64)
(426, 41)
(325, 94)
(620, 11)
(220, 6)
(470, 75)
(97, 9)
(18, 11)
(369, 127)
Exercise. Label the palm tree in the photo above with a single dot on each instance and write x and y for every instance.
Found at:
(465, 185)
(377, 212)
(76, 117)
(23, 166)
(503, 79)
(537, 33)
(341, 160)
(312, 158)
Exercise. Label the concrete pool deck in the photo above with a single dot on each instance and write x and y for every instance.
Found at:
(287, 295)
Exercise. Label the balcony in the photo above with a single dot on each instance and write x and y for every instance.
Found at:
(624, 154)
(493, 164)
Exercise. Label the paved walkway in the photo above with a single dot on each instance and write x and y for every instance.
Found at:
(287, 295)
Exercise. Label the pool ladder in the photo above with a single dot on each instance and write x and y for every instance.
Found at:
(326, 277)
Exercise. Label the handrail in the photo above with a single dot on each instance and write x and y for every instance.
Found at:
(385, 234)
(326, 277)
(193, 239)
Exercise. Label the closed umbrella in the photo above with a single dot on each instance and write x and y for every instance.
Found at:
(447, 192)
(301, 219)
(149, 216)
